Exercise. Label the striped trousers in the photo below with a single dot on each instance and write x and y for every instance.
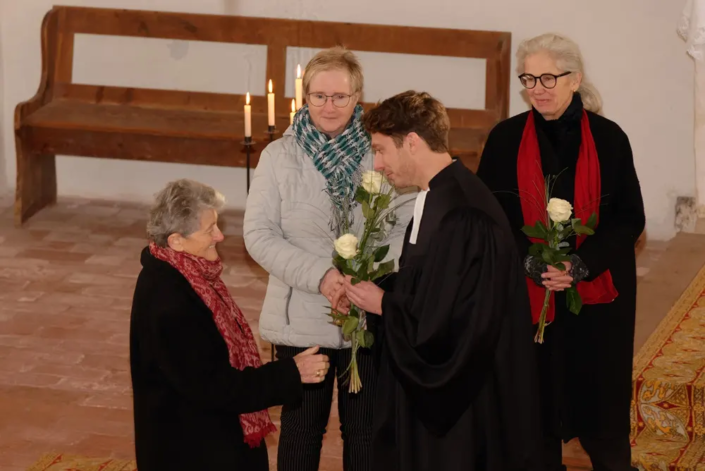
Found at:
(303, 425)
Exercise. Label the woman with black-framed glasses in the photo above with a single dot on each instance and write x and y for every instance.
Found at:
(585, 360)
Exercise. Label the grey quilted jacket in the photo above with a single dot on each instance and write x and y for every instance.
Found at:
(286, 231)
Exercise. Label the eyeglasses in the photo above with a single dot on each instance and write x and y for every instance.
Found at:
(547, 80)
(319, 99)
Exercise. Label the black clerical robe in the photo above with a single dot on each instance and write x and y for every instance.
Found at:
(457, 381)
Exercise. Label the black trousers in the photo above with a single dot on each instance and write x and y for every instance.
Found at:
(303, 425)
(605, 454)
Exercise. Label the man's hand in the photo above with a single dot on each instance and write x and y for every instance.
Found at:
(332, 283)
(365, 295)
(558, 280)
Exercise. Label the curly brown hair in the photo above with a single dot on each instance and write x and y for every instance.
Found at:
(409, 112)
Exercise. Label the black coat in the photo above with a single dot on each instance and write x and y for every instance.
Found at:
(457, 379)
(187, 397)
(585, 363)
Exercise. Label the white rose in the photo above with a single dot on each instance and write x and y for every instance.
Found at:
(559, 210)
(372, 182)
(346, 246)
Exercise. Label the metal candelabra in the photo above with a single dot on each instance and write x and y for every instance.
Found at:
(248, 143)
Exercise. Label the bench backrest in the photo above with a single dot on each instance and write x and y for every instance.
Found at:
(62, 23)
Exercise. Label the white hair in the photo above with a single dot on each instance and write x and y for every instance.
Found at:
(567, 55)
(178, 208)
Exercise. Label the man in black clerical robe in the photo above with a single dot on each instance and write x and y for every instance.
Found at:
(456, 383)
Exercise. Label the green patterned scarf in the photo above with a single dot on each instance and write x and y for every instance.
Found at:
(338, 159)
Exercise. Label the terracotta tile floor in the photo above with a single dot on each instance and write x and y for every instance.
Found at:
(66, 282)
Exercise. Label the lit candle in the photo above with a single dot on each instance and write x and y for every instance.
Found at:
(293, 111)
(248, 117)
(299, 88)
(270, 104)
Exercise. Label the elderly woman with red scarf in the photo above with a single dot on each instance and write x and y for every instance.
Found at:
(200, 390)
(585, 362)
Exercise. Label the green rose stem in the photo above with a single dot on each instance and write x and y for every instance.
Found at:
(356, 258)
(542, 320)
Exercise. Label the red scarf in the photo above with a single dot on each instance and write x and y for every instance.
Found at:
(204, 277)
(532, 189)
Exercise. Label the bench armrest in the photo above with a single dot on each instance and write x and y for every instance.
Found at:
(49, 40)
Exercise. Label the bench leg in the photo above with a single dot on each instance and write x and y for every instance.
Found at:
(36, 183)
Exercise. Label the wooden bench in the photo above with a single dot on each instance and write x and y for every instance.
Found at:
(207, 128)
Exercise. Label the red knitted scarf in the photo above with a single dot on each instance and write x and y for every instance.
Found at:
(532, 189)
(204, 277)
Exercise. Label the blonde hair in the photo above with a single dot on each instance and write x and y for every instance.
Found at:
(334, 58)
(567, 55)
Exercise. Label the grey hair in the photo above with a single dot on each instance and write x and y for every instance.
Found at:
(567, 55)
(178, 208)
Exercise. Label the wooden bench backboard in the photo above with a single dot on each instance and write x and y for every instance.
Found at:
(207, 128)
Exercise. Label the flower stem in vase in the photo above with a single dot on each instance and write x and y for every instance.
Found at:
(542, 320)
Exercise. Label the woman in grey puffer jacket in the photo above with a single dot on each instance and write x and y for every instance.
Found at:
(297, 190)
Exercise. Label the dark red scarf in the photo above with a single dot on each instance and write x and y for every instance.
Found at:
(532, 187)
(204, 277)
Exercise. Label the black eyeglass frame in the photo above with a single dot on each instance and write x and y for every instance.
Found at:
(540, 79)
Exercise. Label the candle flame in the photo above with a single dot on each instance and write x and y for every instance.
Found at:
(298, 71)
(293, 106)
(247, 100)
(270, 85)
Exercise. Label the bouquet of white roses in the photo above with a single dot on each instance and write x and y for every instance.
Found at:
(556, 249)
(360, 257)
